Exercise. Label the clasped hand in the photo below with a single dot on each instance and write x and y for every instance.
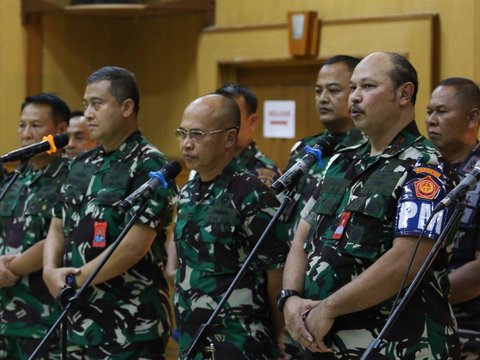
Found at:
(307, 323)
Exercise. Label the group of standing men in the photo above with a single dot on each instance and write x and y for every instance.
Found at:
(335, 260)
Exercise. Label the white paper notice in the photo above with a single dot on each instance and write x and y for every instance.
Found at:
(279, 119)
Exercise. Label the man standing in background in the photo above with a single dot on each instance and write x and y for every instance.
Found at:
(453, 118)
(331, 100)
(247, 152)
(78, 134)
(27, 310)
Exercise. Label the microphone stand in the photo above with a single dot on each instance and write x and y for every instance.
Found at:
(375, 345)
(14, 178)
(70, 296)
(205, 328)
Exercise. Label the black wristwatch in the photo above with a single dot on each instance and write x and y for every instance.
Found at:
(284, 295)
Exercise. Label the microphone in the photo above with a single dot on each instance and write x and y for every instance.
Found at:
(50, 144)
(157, 178)
(313, 155)
(459, 192)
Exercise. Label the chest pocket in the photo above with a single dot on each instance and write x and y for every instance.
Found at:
(332, 192)
(208, 236)
(369, 231)
(223, 219)
(11, 199)
(41, 204)
(114, 184)
(77, 183)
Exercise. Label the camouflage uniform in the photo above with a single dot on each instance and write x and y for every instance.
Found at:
(467, 243)
(27, 310)
(218, 224)
(259, 165)
(363, 204)
(132, 307)
(308, 183)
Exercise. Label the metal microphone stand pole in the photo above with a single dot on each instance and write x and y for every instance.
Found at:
(14, 178)
(205, 328)
(71, 296)
(375, 345)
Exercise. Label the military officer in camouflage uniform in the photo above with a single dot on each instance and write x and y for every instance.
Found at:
(125, 313)
(331, 99)
(27, 310)
(221, 215)
(452, 123)
(371, 207)
(247, 152)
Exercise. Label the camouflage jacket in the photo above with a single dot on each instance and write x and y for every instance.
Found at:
(467, 243)
(218, 224)
(259, 165)
(308, 183)
(364, 203)
(134, 306)
(27, 309)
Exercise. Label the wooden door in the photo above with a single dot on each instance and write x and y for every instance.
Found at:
(282, 82)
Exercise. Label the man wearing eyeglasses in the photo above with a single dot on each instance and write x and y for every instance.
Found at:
(221, 215)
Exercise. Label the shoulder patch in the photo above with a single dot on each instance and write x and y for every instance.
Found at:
(426, 188)
(426, 170)
(266, 176)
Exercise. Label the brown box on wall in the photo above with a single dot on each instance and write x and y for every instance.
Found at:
(303, 33)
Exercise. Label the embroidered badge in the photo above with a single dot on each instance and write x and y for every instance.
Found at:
(426, 188)
(429, 171)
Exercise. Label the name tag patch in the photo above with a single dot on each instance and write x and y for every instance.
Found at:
(100, 234)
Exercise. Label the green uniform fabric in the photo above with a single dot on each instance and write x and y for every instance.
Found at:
(218, 224)
(308, 183)
(27, 309)
(370, 190)
(132, 307)
(259, 165)
(466, 245)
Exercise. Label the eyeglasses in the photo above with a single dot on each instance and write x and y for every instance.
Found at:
(198, 135)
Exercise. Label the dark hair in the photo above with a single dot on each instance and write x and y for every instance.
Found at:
(402, 72)
(236, 90)
(123, 84)
(59, 108)
(466, 90)
(76, 113)
(348, 60)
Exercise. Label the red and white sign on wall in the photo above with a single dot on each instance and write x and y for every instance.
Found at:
(279, 119)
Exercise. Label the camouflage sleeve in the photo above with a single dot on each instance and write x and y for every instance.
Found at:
(424, 188)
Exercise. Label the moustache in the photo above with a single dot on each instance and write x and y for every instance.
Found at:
(355, 109)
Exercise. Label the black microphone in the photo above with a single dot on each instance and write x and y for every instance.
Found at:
(459, 192)
(50, 144)
(324, 147)
(157, 178)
